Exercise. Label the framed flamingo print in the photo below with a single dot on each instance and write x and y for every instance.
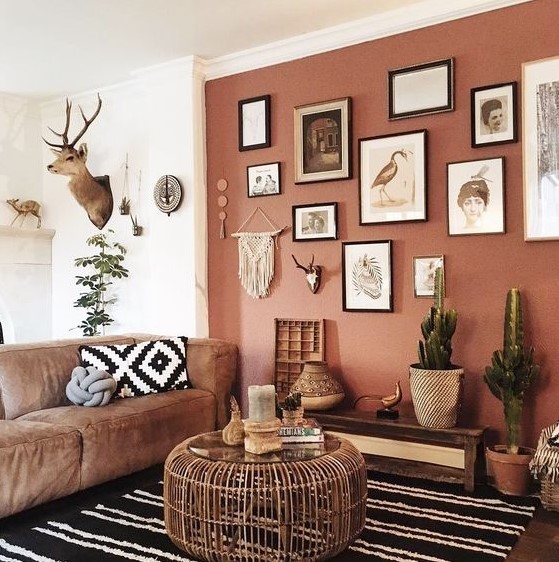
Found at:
(393, 178)
(367, 276)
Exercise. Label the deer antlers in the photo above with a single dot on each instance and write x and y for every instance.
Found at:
(312, 274)
(64, 134)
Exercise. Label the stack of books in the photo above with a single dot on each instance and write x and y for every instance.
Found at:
(308, 432)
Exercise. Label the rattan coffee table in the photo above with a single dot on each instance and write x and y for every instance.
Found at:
(303, 503)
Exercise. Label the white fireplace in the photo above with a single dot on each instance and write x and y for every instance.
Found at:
(25, 283)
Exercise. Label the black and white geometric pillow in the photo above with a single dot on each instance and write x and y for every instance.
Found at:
(141, 368)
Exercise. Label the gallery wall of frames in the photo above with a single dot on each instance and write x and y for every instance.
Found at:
(381, 162)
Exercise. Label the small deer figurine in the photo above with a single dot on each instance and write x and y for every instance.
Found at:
(92, 193)
(312, 274)
(25, 208)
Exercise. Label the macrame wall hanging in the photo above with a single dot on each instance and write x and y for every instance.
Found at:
(256, 257)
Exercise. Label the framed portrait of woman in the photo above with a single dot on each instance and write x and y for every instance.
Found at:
(476, 197)
(493, 115)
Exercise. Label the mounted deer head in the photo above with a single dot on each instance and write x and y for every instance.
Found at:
(312, 274)
(93, 194)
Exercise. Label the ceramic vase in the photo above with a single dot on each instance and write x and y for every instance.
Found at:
(319, 390)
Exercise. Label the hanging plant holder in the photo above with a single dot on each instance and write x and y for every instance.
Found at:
(124, 206)
(136, 228)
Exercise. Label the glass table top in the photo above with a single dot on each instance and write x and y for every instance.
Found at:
(212, 447)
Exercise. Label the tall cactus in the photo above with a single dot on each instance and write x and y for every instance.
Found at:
(437, 328)
(512, 370)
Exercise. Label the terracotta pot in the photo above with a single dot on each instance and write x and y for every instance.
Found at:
(511, 473)
(319, 390)
(436, 395)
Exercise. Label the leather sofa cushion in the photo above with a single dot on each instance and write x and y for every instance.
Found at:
(34, 376)
(132, 434)
(39, 462)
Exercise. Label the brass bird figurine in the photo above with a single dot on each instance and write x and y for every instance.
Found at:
(387, 401)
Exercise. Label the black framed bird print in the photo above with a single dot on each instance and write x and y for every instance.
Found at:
(393, 178)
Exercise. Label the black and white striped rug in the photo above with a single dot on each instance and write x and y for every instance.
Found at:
(408, 519)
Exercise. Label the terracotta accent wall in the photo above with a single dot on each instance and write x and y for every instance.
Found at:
(369, 352)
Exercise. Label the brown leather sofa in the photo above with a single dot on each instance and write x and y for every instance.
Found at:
(50, 448)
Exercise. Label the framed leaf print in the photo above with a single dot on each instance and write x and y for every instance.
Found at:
(367, 276)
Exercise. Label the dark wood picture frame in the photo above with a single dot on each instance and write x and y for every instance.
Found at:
(367, 276)
(318, 221)
(254, 117)
(393, 178)
(493, 114)
(264, 179)
(421, 89)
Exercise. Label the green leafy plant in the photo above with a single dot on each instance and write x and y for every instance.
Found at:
(105, 265)
(512, 370)
(292, 401)
(437, 328)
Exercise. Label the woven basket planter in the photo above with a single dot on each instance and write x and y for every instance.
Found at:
(436, 395)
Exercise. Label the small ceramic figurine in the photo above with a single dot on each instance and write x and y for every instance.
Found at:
(234, 432)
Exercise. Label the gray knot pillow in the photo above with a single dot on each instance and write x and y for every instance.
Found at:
(90, 387)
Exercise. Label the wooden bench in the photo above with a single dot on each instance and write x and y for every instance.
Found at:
(470, 439)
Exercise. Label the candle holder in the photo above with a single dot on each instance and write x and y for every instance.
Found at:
(262, 437)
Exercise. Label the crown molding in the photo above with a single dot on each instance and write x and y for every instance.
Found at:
(417, 16)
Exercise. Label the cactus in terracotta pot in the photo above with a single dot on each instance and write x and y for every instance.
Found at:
(437, 328)
(512, 370)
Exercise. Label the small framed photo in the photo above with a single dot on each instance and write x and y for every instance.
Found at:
(367, 276)
(421, 89)
(392, 178)
(263, 179)
(315, 222)
(254, 123)
(476, 197)
(323, 141)
(424, 268)
(493, 115)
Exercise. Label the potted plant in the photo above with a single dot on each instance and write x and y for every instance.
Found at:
(436, 384)
(511, 373)
(103, 266)
(292, 411)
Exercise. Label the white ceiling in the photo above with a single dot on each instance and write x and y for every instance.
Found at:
(52, 48)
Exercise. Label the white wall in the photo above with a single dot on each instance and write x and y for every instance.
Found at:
(156, 120)
(20, 154)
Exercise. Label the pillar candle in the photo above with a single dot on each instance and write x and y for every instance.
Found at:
(261, 403)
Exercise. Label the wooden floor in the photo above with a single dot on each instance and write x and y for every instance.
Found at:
(540, 541)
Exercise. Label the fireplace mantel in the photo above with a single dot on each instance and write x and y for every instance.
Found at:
(25, 283)
(16, 232)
